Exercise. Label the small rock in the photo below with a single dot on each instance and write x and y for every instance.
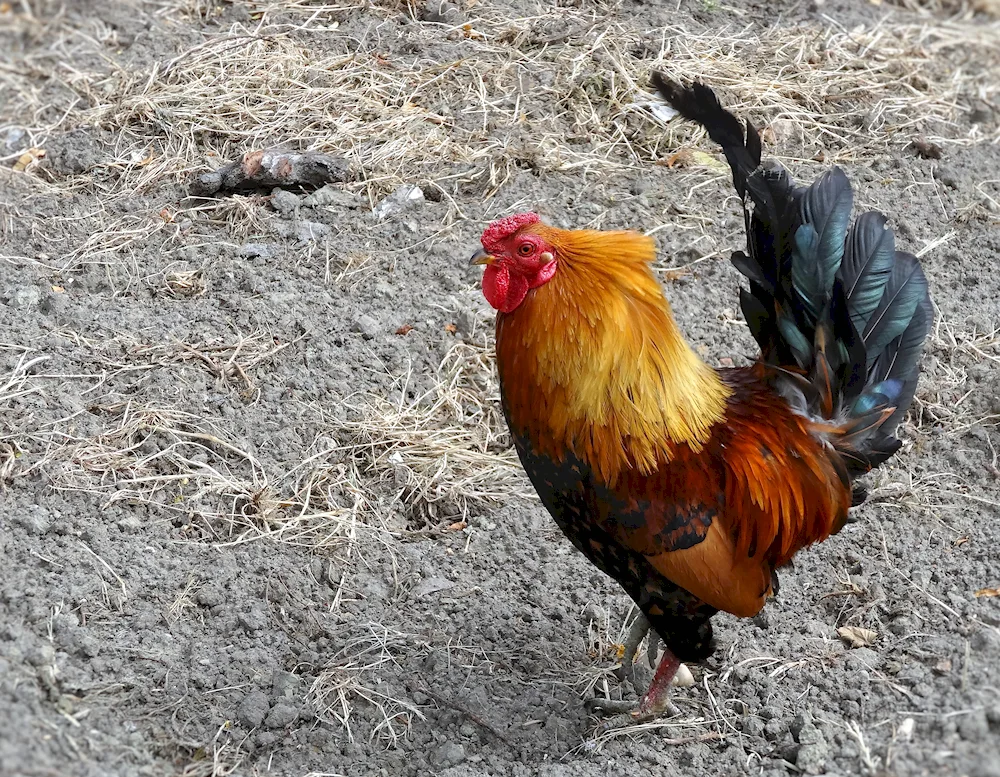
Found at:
(129, 524)
(420, 698)
(281, 715)
(594, 613)
(864, 658)
(254, 620)
(773, 729)
(43, 655)
(447, 755)
(13, 138)
(905, 730)
(265, 738)
(811, 759)
(25, 296)
(209, 597)
(88, 646)
(253, 708)
(284, 201)
(206, 184)
(814, 751)
(367, 326)
(786, 131)
(330, 195)
(404, 198)
(799, 722)
(255, 250)
(73, 153)
(465, 320)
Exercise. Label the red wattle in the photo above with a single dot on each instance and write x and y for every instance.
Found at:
(502, 289)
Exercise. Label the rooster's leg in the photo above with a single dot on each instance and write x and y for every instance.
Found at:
(654, 703)
(639, 629)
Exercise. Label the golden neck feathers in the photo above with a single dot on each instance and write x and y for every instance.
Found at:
(593, 362)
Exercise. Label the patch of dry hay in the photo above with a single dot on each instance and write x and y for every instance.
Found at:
(514, 94)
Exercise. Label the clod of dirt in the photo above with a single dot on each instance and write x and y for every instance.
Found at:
(332, 196)
(284, 201)
(253, 709)
(73, 153)
(24, 296)
(948, 177)
(302, 230)
(281, 715)
(34, 520)
(447, 755)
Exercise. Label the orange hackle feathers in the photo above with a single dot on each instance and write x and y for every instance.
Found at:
(597, 363)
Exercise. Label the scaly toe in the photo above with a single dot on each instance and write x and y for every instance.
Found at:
(599, 706)
(623, 720)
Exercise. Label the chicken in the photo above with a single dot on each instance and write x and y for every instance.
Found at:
(690, 485)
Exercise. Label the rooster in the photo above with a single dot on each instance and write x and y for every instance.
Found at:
(691, 485)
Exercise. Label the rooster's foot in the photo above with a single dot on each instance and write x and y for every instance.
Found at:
(654, 703)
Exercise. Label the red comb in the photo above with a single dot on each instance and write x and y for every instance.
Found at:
(500, 230)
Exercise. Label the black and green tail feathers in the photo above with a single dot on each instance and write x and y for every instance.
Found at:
(832, 304)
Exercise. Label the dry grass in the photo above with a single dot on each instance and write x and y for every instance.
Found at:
(959, 9)
(562, 92)
(14, 386)
(435, 456)
(443, 451)
(352, 676)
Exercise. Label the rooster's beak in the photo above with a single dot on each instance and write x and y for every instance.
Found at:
(481, 257)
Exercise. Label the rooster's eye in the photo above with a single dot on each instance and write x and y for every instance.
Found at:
(526, 249)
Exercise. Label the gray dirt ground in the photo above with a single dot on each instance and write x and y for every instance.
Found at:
(252, 527)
